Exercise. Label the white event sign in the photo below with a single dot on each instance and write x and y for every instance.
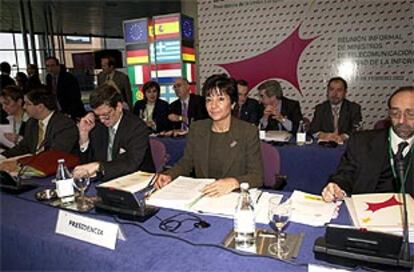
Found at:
(90, 230)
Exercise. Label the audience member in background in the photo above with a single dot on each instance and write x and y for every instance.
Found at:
(368, 164)
(113, 142)
(153, 110)
(46, 129)
(188, 108)
(336, 118)
(34, 80)
(117, 79)
(21, 81)
(279, 113)
(5, 80)
(222, 147)
(246, 109)
(11, 99)
(66, 88)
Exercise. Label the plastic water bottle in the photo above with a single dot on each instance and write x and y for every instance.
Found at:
(244, 221)
(301, 134)
(64, 183)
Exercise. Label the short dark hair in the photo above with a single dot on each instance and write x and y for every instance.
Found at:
(41, 95)
(53, 58)
(338, 79)
(5, 67)
(242, 82)
(399, 90)
(272, 88)
(13, 92)
(111, 60)
(104, 95)
(220, 83)
(149, 85)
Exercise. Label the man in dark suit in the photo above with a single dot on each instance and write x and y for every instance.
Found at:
(188, 108)
(246, 109)
(279, 112)
(116, 145)
(369, 162)
(5, 80)
(66, 88)
(117, 79)
(46, 129)
(336, 118)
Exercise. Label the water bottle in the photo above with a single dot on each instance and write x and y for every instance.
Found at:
(64, 183)
(244, 222)
(301, 134)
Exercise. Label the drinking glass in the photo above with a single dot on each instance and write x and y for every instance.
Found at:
(279, 215)
(81, 180)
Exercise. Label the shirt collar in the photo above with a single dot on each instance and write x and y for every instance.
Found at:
(47, 119)
(396, 140)
(116, 125)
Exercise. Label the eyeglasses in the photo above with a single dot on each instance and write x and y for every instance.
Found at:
(396, 113)
(105, 116)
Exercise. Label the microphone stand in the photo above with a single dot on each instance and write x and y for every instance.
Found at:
(405, 246)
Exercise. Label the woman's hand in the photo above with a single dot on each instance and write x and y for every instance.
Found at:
(162, 180)
(12, 137)
(221, 187)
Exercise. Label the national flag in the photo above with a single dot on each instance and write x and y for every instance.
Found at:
(167, 27)
(137, 56)
(166, 51)
(188, 54)
(151, 30)
(139, 74)
(136, 31)
(137, 93)
(166, 73)
(189, 72)
(187, 28)
(167, 93)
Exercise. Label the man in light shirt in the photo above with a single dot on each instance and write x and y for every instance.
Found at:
(369, 162)
(113, 142)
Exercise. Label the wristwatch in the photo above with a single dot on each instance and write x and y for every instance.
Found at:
(180, 118)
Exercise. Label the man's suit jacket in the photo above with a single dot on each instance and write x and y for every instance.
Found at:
(290, 109)
(250, 111)
(241, 156)
(159, 115)
(131, 151)
(365, 166)
(68, 93)
(196, 109)
(61, 134)
(122, 82)
(349, 118)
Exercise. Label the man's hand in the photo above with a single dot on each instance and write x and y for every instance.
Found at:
(162, 180)
(12, 137)
(86, 124)
(273, 112)
(332, 192)
(92, 168)
(221, 187)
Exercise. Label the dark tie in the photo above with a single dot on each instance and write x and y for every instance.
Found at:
(184, 113)
(399, 155)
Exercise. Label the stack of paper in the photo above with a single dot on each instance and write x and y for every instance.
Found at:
(381, 212)
(311, 210)
(131, 183)
(278, 136)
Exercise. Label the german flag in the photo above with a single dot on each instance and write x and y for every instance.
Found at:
(167, 27)
(188, 54)
(137, 56)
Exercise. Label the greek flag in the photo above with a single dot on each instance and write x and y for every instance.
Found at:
(166, 51)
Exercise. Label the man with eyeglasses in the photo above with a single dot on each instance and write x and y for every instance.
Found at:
(113, 142)
(189, 107)
(368, 164)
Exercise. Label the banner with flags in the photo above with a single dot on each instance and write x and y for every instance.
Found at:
(165, 51)
(167, 27)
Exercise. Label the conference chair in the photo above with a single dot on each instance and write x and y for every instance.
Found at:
(159, 154)
(383, 123)
(271, 167)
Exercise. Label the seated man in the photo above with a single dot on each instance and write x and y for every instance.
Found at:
(279, 113)
(188, 108)
(113, 142)
(336, 118)
(46, 129)
(246, 109)
(368, 164)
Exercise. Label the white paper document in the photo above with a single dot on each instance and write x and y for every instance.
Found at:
(3, 140)
(311, 210)
(131, 183)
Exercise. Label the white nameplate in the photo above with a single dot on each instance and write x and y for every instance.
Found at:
(90, 230)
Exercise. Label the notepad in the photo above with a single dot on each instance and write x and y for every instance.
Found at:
(131, 183)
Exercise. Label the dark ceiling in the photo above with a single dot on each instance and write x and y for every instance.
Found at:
(89, 17)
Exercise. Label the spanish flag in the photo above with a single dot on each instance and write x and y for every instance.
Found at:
(137, 56)
(188, 54)
(167, 27)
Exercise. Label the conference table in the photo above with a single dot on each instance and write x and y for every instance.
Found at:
(306, 167)
(29, 242)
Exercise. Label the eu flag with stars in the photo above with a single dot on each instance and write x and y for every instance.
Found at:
(136, 31)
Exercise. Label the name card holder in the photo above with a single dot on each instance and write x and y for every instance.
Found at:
(87, 229)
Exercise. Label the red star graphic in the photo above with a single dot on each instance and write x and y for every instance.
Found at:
(279, 62)
(392, 201)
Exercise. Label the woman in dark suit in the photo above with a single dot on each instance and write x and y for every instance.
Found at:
(222, 147)
(152, 109)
